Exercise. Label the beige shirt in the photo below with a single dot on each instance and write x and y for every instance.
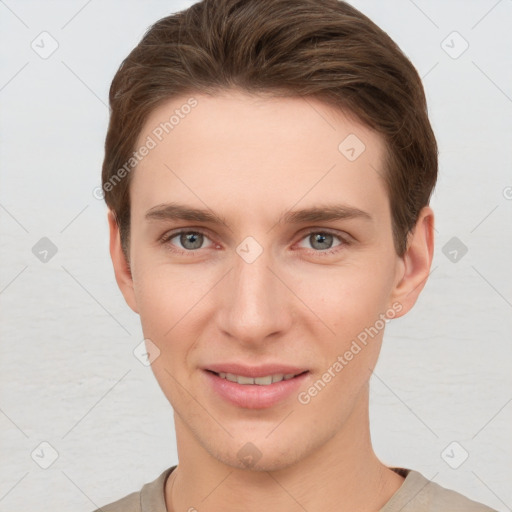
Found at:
(416, 494)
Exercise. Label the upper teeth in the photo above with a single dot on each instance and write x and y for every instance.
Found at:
(262, 381)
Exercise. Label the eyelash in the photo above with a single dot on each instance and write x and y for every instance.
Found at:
(165, 240)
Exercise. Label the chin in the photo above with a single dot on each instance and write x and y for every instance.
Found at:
(259, 456)
(264, 464)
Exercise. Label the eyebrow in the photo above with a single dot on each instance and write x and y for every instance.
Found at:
(176, 211)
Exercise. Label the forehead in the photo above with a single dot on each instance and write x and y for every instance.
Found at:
(260, 151)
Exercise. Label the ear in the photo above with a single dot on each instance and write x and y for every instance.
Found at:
(121, 266)
(416, 262)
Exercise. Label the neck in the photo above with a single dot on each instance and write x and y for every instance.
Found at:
(342, 475)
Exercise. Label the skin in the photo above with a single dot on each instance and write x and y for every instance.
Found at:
(249, 159)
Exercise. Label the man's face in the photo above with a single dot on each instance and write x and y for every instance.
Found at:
(256, 291)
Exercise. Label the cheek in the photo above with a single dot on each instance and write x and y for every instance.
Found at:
(352, 306)
(351, 303)
(173, 304)
(170, 305)
(167, 295)
(347, 300)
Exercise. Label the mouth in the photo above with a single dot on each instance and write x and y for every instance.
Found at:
(265, 380)
(254, 392)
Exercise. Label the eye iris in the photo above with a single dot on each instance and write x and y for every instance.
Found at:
(321, 238)
(196, 239)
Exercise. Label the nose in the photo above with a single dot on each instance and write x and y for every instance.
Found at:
(254, 304)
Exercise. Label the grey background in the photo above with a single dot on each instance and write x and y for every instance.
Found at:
(68, 374)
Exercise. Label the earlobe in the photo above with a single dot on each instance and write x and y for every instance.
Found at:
(416, 261)
(122, 268)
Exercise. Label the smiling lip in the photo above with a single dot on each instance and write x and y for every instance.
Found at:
(254, 396)
(254, 371)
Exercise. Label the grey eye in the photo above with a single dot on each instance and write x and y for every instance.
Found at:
(191, 240)
(321, 241)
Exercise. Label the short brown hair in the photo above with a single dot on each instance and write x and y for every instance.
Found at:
(324, 49)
